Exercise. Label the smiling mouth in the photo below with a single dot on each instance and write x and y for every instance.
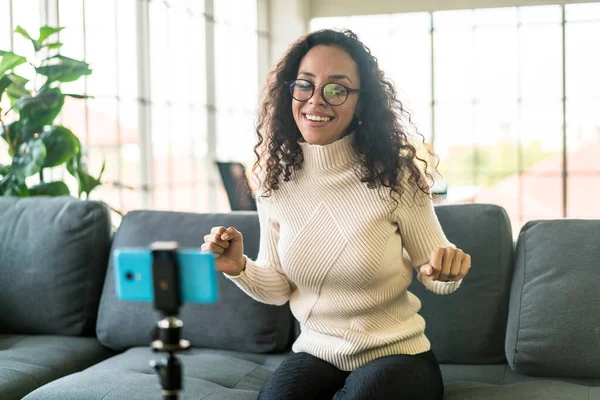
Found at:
(317, 118)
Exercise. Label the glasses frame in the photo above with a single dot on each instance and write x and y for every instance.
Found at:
(349, 90)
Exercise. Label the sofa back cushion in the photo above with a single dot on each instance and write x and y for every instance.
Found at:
(469, 325)
(554, 320)
(53, 257)
(234, 322)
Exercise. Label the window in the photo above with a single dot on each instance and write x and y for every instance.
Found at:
(151, 116)
(6, 29)
(508, 97)
(407, 38)
(493, 109)
(178, 106)
(236, 78)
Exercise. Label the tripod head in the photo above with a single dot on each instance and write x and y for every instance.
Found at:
(167, 300)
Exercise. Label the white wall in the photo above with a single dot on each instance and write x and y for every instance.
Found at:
(289, 20)
(284, 21)
(334, 8)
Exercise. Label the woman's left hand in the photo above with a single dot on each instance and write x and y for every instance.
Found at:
(447, 264)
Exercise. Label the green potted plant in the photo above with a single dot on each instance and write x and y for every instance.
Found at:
(35, 142)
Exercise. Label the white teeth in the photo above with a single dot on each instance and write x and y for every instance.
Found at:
(318, 118)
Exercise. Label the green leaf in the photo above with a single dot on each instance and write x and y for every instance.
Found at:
(14, 86)
(118, 212)
(44, 96)
(61, 145)
(7, 180)
(40, 110)
(121, 185)
(73, 165)
(46, 31)
(12, 187)
(63, 69)
(78, 96)
(17, 89)
(9, 61)
(88, 183)
(53, 46)
(5, 82)
(6, 176)
(23, 32)
(102, 170)
(10, 133)
(56, 188)
(4, 169)
(29, 160)
(3, 131)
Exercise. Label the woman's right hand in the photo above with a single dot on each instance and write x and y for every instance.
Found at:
(228, 247)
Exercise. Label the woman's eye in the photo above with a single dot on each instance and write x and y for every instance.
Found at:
(335, 90)
(303, 85)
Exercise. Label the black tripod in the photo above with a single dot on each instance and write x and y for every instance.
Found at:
(167, 300)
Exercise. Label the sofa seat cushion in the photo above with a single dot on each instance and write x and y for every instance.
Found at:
(220, 374)
(28, 362)
(207, 374)
(499, 382)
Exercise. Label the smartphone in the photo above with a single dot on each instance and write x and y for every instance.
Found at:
(197, 275)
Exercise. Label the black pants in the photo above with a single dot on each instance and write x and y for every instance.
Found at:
(396, 377)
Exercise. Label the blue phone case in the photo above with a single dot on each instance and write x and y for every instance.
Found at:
(133, 275)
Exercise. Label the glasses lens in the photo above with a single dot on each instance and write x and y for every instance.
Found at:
(301, 90)
(335, 94)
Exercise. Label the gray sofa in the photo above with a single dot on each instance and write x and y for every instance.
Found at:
(524, 325)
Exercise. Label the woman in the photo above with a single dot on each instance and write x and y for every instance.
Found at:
(345, 215)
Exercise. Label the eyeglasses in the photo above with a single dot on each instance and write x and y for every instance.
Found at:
(334, 94)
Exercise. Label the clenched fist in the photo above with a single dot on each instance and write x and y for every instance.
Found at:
(228, 247)
(447, 264)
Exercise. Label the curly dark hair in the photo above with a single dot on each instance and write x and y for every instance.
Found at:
(381, 140)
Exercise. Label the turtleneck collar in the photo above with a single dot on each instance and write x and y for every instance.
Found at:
(330, 155)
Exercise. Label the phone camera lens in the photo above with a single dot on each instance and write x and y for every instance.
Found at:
(129, 276)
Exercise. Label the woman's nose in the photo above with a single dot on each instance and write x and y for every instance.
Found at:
(317, 98)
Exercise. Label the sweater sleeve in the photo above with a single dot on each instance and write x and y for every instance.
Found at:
(264, 279)
(421, 233)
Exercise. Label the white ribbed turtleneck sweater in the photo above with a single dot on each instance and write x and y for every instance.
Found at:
(334, 249)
